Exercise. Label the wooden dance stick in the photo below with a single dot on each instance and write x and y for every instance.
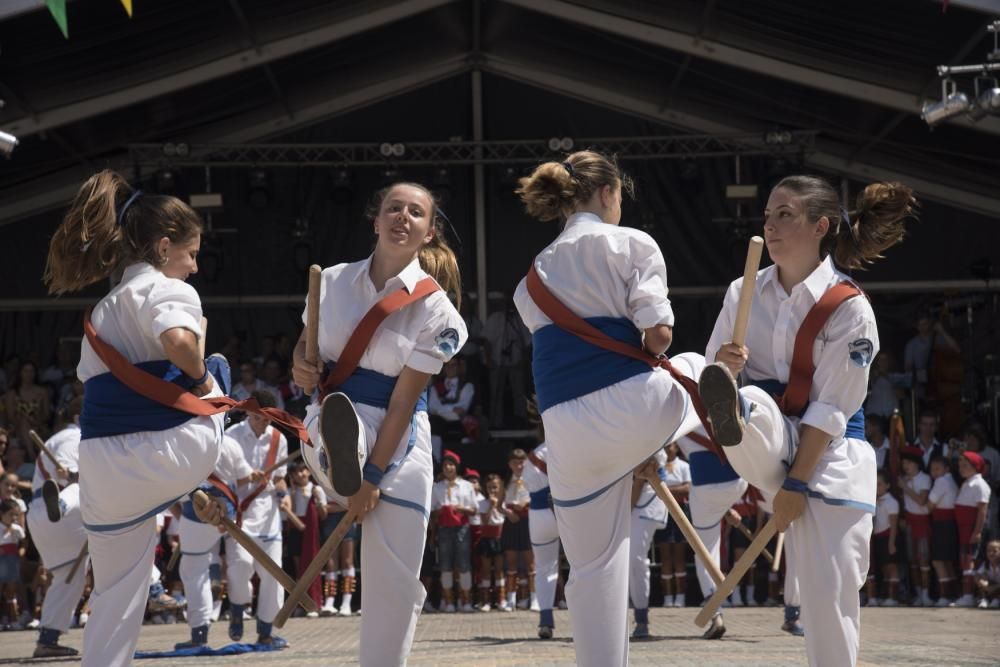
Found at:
(747, 534)
(677, 514)
(37, 439)
(266, 472)
(76, 564)
(315, 568)
(739, 569)
(200, 500)
(747, 290)
(778, 548)
(312, 320)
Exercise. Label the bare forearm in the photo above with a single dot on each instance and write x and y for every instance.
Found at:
(181, 346)
(657, 339)
(812, 445)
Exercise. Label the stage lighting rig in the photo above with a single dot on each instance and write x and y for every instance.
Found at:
(986, 96)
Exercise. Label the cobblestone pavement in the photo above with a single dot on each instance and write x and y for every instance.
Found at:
(896, 637)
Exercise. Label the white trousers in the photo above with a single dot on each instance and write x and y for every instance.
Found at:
(392, 536)
(125, 481)
(638, 560)
(241, 567)
(198, 542)
(544, 534)
(59, 544)
(828, 546)
(595, 441)
(709, 503)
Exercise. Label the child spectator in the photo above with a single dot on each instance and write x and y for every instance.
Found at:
(916, 485)
(11, 535)
(452, 503)
(883, 549)
(750, 514)
(670, 542)
(341, 564)
(10, 490)
(988, 577)
(516, 538)
(970, 513)
(475, 535)
(493, 513)
(308, 504)
(944, 545)
(875, 434)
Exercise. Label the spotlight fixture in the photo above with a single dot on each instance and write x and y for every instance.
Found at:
(778, 137)
(8, 142)
(953, 103)
(259, 194)
(564, 144)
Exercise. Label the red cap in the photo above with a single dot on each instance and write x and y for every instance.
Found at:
(915, 452)
(977, 461)
(448, 454)
(472, 472)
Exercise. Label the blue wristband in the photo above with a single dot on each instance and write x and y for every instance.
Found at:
(202, 380)
(372, 474)
(795, 485)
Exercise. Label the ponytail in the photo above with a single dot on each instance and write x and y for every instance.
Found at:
(556, 189)
(110, 224)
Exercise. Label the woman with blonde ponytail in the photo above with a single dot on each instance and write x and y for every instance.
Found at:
(608, 406)
(137, 457)
(386, 326)
(810, 341)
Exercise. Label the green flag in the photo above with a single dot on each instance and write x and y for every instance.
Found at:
(58, 9)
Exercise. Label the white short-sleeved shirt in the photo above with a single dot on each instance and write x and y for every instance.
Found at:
(974, 490)
(455, 494)
(65, 447)
(842, 353)
(12, 534)
(232, 464)
(989, 572)
(943, 492)
(301, 496)
(491, 516)
(517, 490)
(423, 335)
(457, 395)
(477, 518)
(919, 483)
(885, 506)
(261, 518)
(880, 452)
(534, 479)
(135, 313)
(636, 275)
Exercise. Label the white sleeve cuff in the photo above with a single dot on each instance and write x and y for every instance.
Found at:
(827, 418)
(425, 363)
(173, 319)
(650, 316)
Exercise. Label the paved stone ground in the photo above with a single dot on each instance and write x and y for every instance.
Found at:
(896, 637)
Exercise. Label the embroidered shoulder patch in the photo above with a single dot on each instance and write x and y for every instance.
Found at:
(447, 342)
(861, 352)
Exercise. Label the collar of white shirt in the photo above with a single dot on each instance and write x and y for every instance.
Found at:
(585, 216)
(133, 270)
(816, 283)
(408, 277)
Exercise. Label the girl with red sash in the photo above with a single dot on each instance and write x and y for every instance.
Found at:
(606, 408)
(137, 457)
(916, 485)
(811, 339)
(970, 514)
(374, 414)
(944, 545)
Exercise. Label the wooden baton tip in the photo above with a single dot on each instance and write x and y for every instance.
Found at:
(312, 318)
(778, 549)
(741, 567)
(754, 251)
(688, 530)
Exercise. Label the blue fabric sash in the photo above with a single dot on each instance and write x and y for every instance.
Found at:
(539, 500)
(567, 367)
(187, 507)
(111, 408)
(855, 424)
(706, 468)
(372, 388)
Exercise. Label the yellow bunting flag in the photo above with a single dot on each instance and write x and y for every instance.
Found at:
(58, 10)
(128, 7)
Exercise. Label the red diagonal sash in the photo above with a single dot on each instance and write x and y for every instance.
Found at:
(538, 462)
(272, 456)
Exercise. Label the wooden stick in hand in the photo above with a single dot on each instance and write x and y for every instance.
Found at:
(266, 472)
(312, 319)
(747, 534)
(200, 499)
(37, 439)
(315, 568)
(745, 562)
(677, 514)
(747, 290)
(778, 549)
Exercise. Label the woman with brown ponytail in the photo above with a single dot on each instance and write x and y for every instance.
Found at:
(386, 327)
(810, 342)
(606, 411)
(137, 457)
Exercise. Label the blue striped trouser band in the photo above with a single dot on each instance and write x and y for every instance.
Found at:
(542, 544)
(406, 503)
(56, 567)
(109, 527)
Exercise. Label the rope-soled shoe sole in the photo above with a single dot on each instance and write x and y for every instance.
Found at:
(722, 401)
(50, 495)
(338, 424)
